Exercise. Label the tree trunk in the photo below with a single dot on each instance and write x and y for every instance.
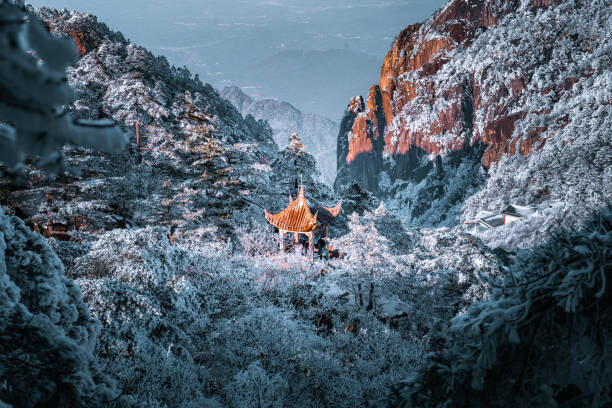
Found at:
(371, 300)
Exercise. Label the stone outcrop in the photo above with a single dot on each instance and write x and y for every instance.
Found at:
(368, 127)
(466, 77)
(360, 142)
(408, 79)
(84, 29)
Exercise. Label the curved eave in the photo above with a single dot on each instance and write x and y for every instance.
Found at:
(335, 210)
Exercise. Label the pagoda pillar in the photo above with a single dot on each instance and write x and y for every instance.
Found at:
(310, 244)
(281, 234)
(296, 237)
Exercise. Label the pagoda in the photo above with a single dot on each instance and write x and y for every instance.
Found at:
(298, 218)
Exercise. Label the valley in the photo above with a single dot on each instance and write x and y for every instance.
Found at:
(471, 252)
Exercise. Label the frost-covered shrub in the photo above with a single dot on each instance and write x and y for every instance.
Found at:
(258, 239)
(187, 329)
(68, 251)
(306, 365)
(253, 387)
(47, 336)
(145, 292)
(543, 337)
(429, 275)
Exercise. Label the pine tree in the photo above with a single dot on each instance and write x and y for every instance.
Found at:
(368, 253)
(539, 340)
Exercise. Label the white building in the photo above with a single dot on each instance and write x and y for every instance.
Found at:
(511, 213)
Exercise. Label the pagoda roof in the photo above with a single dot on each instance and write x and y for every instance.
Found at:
(325, 215)
(298, 217)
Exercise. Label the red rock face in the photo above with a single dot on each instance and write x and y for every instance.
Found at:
(80, 42)
(404, 136)
(375, 111)
(366, 127)
(415, 50)
(360, 143)
(422, 51)
(419, 113)
(498, 136)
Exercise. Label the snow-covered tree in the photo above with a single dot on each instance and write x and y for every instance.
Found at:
(34, 95)
(153, 318)
(254, 387)
(543, 336)
(367, 249)
(356, 199)
(47, 336)
(368, 254)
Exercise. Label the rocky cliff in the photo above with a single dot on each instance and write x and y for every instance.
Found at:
(485, 81)
(360, 142)
(317, 132)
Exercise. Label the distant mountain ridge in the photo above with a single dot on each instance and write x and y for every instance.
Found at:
(317, 132)
(314, 81)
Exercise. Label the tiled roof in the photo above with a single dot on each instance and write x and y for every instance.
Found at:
(297, 217)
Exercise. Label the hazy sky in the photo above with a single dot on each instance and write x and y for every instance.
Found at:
(223, 39)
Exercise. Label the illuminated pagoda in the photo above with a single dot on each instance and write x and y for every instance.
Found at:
(298, 218)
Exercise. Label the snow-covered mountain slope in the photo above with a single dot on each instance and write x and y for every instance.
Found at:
(317, 132)
(487, 103)
(211, 313)
(198, 158)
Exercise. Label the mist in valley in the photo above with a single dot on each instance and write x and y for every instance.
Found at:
(315, 54)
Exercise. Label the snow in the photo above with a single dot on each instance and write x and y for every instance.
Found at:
(173, 288)
(575, 122)
(493, 333)
(45, 323)
(39, 91)
(392, 308)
